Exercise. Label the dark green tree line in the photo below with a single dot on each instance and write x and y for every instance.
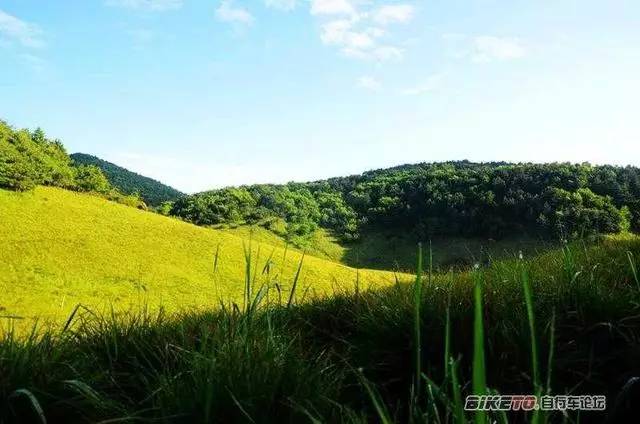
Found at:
(441, 199)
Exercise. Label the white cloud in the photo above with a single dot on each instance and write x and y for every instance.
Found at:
(487, 48)
(367, 82)
(429, 84)
(227, 12)
(393, 13)
(358, 42)
(380, 54)
(285, 5)
(341, 33)
(334, 32)
(25, 33)
(360, 34)
(385, 53)
(332, 7)
(153, 5)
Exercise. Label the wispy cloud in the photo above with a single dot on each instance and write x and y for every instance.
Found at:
(152, 5)
(369, 83)
(429, 84)
(488, 48)
(393, 13)
(332, 7)
(484, 48)
(380, 53)
(17, 30)
(228, 12)
(285, 5)
(360, 34)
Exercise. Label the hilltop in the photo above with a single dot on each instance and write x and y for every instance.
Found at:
(151, 191)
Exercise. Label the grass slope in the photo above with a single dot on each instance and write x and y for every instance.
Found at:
(60, 249)
(354, 358)
(151, 191)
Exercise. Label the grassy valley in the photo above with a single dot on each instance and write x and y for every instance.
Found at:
(313, 302)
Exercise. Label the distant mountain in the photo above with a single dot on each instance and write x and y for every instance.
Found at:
(151, 191)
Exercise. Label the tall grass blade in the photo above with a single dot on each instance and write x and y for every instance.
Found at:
(266, 270)
(295, 281)
(528, 298)
(447, 343)
(85, 391)
(634, 270)
(247, 276)
(216, 258)
(417, 300)
(71, 317)
(239, 405)
(458, 410)
(374, 396)
(33, 401)
(552, 342)
(479, 376)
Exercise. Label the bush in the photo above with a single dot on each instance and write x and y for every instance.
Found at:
(27, 160)
(90, 178)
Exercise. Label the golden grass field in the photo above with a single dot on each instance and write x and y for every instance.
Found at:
(59, 249)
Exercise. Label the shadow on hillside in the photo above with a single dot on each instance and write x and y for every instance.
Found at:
(398, 252)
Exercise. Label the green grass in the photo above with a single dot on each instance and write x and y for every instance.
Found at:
(185, 324)
(347, 358)
(60, 249)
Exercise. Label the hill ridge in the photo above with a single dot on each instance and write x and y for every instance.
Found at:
(152, 191)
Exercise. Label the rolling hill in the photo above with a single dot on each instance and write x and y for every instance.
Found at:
(151, 191)
(61, 249)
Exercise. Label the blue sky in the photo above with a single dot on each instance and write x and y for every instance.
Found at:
(203, 94)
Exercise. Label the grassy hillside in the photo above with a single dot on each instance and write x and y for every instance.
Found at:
(408, 353)
(151, 191)
(61, 248)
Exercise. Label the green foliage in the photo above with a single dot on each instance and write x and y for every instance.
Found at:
(461, 199)
(90, 178)
(571, 214)
(151, 191)
(30, 159)
(265, 205)
(337, 215)
(164, 208)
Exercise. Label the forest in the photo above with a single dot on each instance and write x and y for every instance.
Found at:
(466, 199)
(558, 200)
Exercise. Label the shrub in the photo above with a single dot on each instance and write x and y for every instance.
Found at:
(90, 178)
(27, 160)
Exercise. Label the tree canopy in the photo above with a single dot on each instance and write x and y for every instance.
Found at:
(29, 158)
(439, 199)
